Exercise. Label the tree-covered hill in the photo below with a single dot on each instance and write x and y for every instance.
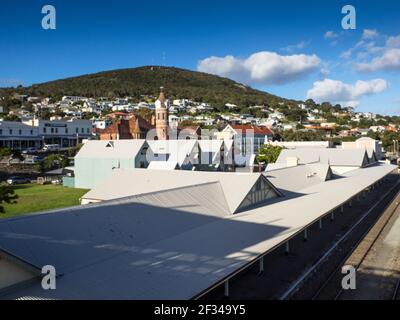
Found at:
(136, 82)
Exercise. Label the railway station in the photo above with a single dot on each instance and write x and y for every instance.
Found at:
(170, 244)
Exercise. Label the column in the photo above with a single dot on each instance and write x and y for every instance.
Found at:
(226, 290)
(287, 247)
(305, 236)
(261, 265)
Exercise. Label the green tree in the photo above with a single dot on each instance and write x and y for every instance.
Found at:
(268, 153)
(7, 195)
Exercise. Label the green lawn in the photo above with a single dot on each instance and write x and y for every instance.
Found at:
(35, 198)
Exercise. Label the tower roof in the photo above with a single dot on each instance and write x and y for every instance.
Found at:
(161, 98)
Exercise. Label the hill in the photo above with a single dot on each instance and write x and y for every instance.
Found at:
(136, 82)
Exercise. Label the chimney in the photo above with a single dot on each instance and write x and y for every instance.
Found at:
(292, 161)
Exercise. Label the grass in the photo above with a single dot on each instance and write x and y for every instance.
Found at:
(35, 198)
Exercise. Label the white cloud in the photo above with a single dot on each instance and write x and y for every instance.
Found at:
(336, 91)
(377, 58)
(389, 60)
(369, 34)
(393, 42)
(330, 35)
(297, 46)
(261, 67)
(346, 54)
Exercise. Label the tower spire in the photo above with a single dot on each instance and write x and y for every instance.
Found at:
(161, 116)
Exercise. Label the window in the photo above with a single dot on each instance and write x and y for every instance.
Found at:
(10, 131)
(1, 131)
(56, 130)
(82, 130)
(19, 131)
(44, 130)
(66, 130)
(76, 130)
(52, 130)
(87, 130)
(31, 132)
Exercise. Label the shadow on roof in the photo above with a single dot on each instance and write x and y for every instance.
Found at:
(135, 251)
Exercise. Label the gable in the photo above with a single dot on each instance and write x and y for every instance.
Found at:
(261, 192)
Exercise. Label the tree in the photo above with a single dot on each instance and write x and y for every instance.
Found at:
(7, 195)
(268, 153)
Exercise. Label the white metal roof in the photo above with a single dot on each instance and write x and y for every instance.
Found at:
(296, 178)
(111, 149)
(125, 250)
(332, 156)
(129, 182)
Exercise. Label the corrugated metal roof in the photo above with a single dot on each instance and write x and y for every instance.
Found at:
(295, 178)
(333, 156)
(128, 182)
(125, 250)
(110, 149)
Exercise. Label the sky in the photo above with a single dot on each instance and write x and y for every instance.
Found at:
(292, 48)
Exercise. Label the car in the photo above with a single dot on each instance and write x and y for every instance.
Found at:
(51, 147)
(32, 159)
(17, 180)
(29, 150)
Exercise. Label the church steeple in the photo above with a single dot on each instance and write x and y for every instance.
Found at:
(137, 132)
(161, 98)
(161, 116)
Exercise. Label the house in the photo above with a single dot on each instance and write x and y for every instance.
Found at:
(340, 160)
(133, 127)
(249, 135)
(96, 159)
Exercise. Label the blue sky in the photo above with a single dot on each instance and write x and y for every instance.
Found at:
(295, 49)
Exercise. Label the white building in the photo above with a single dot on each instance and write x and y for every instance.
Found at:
(373, 147)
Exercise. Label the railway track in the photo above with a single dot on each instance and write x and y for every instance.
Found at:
(329, 288)
(356, 258)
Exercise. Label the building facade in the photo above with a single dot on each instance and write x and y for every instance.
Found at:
(36, 133)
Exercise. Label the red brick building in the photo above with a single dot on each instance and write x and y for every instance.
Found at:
(133, 128)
